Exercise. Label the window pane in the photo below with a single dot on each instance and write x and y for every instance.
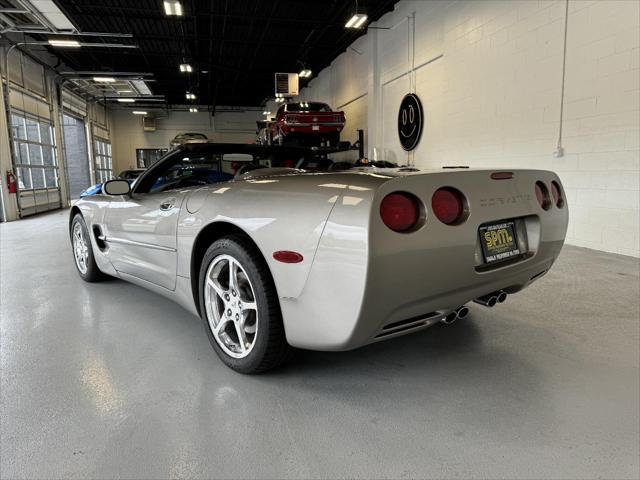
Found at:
(24, 179)
(35, 154)
(17, 127)
(50, 177)
(109, 149)
(45, 134)
(37, 174)
(21, 153)
(33, 130)
(47, 155)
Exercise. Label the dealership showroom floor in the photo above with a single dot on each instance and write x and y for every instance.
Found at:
(109, 380)
(320, 239)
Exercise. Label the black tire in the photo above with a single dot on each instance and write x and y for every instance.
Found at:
(92, 273)
(270, 348)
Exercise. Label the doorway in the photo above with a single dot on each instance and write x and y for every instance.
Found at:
(77, 156)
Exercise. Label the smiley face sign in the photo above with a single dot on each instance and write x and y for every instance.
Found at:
(410, 121)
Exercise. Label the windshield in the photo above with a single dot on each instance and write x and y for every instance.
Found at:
(308, 107)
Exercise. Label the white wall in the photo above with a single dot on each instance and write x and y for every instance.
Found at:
(227, 127)
(489, 74)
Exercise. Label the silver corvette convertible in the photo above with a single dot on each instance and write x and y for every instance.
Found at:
(277, 247)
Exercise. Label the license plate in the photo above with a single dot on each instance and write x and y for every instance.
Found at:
(315, 127)
(499, 241)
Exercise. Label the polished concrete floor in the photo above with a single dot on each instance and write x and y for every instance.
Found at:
(109, 380)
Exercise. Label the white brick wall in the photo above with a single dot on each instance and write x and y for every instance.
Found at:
(493, 99)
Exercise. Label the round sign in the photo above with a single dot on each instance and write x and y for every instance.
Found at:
(410, 121)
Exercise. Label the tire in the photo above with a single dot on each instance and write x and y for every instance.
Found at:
(83, 257)
(226, 307)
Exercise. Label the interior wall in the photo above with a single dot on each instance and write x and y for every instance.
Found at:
(128, 135)
(489, 75)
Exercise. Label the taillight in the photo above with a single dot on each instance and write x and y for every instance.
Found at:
(557, 194)
(448, 205)
(542, 194)
(400, 211)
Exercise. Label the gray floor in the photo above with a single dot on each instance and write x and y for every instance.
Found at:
(109, 380)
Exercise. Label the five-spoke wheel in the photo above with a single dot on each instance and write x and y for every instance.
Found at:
(239, 306)
(83, 251)
(80, 248)
(231, 306)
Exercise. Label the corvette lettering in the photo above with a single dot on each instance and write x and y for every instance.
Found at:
(496, 201)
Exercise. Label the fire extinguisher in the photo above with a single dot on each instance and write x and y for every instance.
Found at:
(12, 184)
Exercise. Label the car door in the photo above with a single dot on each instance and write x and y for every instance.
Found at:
(141, 228)
(140, 231)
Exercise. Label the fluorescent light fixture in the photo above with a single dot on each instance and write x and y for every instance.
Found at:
(126, 100)
(104, 79)
(185, 68)
(139, 112)
(193, 110)
(357, 21)
(64, 43)
(190, 96)
(125, 91)
(172, 7)
(305, 73)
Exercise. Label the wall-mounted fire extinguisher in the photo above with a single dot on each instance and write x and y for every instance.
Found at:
(12, 184)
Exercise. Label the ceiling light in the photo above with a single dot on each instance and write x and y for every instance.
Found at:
(190, 96)
(193, 110)
(172, 7)
(126, 100)
(186, 68)
(139, 112)
(305, 73)
(356, 21)
(125, 91)
(104, 79)
(64, 43)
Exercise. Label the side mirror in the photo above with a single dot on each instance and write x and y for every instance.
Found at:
(116, 187)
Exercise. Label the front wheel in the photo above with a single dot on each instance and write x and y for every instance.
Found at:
(83, 252)
(239, 307)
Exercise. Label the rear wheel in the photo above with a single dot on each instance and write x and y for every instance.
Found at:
(239, 307)
(83, 251)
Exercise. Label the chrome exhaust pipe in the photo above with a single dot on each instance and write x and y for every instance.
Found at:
(450, 318)
(462, 312)
(487, 300)
(502, 296)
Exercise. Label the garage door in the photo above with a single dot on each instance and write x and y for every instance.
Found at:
(36, 163)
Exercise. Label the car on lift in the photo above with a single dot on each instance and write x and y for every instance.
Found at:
(306, 123)
(281, 257)
(129, 175)
(183, 138)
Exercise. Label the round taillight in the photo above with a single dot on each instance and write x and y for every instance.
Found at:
(400, 211)
(542, 194)
(556, 192)
(448, 205)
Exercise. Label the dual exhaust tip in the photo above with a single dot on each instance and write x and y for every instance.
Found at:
(458, 314)
(489, 300)
(492, 299)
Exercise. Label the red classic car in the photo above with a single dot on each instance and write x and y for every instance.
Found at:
(312, 123)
